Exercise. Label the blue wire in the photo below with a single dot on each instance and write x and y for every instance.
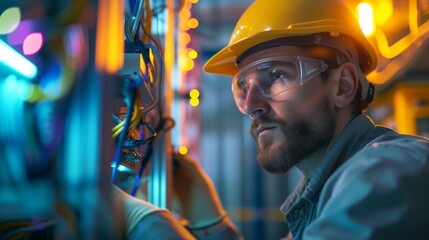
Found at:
(139, 81)
(158, 56)
(160, 62)
(139, 174)
(116, 119)
(118, 151)
(143, 164)
(149, 151)
(133, 7)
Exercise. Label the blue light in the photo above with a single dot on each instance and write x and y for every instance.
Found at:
(14, 60)
(20, 88)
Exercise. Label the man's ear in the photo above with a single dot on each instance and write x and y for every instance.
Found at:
(346, 85)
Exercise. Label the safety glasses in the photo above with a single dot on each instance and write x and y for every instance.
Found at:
(274, 75)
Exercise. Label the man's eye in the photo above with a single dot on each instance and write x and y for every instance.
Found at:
(241, 83)
(277, 75)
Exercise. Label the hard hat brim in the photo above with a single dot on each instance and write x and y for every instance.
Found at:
(225, 61)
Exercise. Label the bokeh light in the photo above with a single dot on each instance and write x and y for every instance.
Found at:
(16, 61)
(192, 54)
(9, 20)
(366, 18)
(185, 14)
(184, 25)
(187, 64)
(187, 5)
(194, 93)
(192, 23)
(21, 88)
(384, 11)
(183, 150)
(185, 38)
(194, 102)
(32, 43)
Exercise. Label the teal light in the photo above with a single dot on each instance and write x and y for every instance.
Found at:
(17, 62)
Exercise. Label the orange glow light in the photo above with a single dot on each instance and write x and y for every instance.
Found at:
(401, 51)
(366, 18)
(187, 64)
(384, 10)
(185, 14)
(192, 23)
(109, 51)
(184, 38)
(187, 5)
(184, 25)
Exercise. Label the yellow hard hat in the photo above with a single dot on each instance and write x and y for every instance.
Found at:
(267, 20)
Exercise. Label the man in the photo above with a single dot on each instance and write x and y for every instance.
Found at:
(298, 70)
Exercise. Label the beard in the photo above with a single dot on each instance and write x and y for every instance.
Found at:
(301, 138)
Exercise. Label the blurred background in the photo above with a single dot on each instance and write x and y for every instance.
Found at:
(80, 78)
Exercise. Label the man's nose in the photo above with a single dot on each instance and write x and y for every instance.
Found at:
(255, 103)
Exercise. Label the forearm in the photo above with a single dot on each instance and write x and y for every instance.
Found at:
(159, 225)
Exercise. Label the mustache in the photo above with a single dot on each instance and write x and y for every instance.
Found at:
(264, 120)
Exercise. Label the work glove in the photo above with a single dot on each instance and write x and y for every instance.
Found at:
(195, 197)
(145, 221)
(134, 209)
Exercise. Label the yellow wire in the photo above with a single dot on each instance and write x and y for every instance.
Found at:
(120, 125)
(152, 73)
(135, 119)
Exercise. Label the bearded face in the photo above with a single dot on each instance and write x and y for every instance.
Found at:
(282, 144)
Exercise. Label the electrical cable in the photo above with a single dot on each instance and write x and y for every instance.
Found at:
(136, 118)
(144, 160)
(159, 77)
(118, 129)
(152, 85)
(152, 38)
(117, 120)
(156, 50)
(118, 151)
(160, 128)
(137, 16)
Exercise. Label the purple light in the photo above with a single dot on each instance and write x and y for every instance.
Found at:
(18, 36)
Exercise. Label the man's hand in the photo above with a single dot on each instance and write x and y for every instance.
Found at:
(195, 196)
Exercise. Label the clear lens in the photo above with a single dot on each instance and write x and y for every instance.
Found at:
(274, 75)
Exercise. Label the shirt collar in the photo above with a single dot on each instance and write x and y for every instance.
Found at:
(350, 140)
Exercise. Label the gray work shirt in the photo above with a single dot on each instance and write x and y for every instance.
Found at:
(372, 183)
